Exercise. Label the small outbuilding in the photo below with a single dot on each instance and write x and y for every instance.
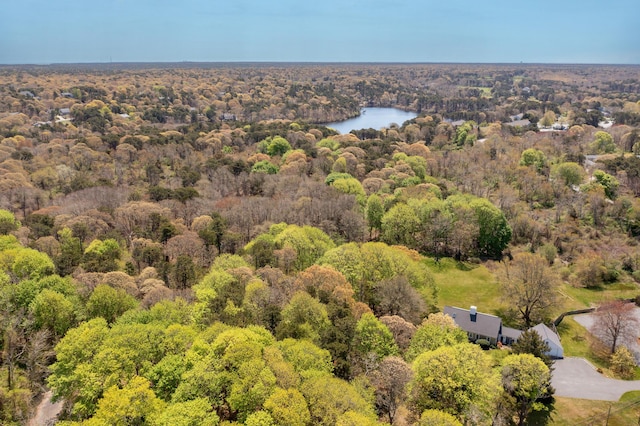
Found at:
(551, 338)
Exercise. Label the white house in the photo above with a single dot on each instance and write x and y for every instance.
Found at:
(484, 326)
(551, 339)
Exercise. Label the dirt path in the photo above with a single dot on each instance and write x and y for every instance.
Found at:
(46, 412)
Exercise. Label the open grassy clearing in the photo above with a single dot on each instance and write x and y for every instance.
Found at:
(575, 412)
(485, 92)
(463, 284)
(579, 298)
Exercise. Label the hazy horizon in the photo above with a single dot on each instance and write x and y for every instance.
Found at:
(251, 63)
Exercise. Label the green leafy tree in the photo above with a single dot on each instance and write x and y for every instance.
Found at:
(131, 405)
(350, 186)
(530, 342)
(373, 337)
(494, 232)
(329, 398)
(399, 226)
(374, 211)
(53, 311)
(332, 144)
(340, 166)
(436, 331)
(288, 408)
(75, 351)
(303, 318)
(259, 418)
(366, 265)
(306, 244)
(185, 194)
(184, 272)
(603, 143)
(278, 146)
(526, 379)
(469, 380)
(261, 249)
(197, 412)
(548, 118)
(623, 363)
(109, 303)
(102, 256)
(465, 134)
(8, 222)
(40, 225)
(265, 167)
(437, 418)
(306, 358)
(220, 294)
(166, 375)
(533, 157)
(213, 234)
(8, 242)
(608, 182)
(335, 176)
(31, 264)
(230, 372)
(251, 387)
(568, 173)
(70, 252)
(26, 291)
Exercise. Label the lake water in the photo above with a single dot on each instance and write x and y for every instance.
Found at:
(373, 118)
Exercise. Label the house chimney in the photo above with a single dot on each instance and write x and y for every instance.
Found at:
(473, 313)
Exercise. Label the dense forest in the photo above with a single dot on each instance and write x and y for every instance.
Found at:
(190, 245)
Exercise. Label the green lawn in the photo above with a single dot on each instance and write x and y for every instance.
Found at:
(485, 92)
(569, 411)
(462, 284)
(578, 298)
(577, 341)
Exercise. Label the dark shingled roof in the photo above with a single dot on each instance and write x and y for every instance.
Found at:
(512, 333)
(484, 325)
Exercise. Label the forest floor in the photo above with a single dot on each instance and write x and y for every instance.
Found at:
(46, 412)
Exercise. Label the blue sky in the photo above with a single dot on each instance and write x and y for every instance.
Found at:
(559, 31)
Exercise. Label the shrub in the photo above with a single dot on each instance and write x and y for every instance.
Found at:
(484, 343)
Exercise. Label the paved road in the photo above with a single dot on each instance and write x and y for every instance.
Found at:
(577, 378)
(631, 342)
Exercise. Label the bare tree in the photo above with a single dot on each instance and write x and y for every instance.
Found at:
(401, 329)
(615, 322)
(529, 285)
(397, 297)
(390, 381)
(39, 354)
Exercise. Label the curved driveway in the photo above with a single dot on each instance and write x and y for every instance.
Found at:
(577, 378)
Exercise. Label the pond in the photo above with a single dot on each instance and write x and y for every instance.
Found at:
(373, 118)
